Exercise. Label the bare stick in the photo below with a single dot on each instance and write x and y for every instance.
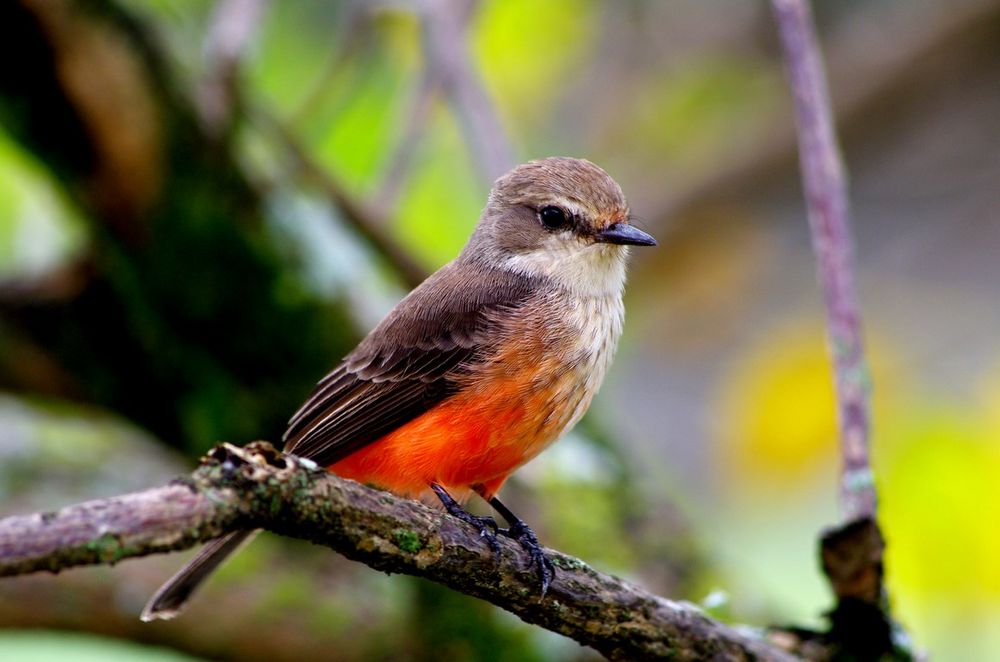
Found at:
(415, 124)
(353, 39)
(256, 486)
(365, 220)
(231, 31)
(446, 46)
(826, 198)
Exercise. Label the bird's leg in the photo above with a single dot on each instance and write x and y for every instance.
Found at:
(487, 526)
(525, 537)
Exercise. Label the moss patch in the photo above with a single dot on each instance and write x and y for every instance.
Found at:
(407, 540)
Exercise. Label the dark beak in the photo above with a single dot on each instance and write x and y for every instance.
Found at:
(623, 233)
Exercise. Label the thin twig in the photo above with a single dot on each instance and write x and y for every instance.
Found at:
(447, 50)
(365, 220)
(402, 157)
(352, 41)
(826, 197)
(256, 486)
(889, 70)
(232, 29)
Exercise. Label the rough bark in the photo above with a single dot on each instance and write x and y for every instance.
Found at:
(258, 487)
(852, 553)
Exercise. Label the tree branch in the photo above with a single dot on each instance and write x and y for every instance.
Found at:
(826, 197)
(364, 219)
(256, 487)
(414, 126)
(890, 70)
(852, 553)
(447, 49)
(233, 27)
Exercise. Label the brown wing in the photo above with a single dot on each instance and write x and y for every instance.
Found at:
(409, 362)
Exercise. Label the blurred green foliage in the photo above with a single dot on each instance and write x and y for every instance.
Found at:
(39, 228)
(45, 646)
(524, 61)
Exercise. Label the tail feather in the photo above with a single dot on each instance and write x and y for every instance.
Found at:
(170, 599)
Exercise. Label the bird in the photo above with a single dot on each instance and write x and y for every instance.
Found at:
(480, 367)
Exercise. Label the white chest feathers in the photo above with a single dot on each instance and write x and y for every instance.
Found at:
(581, 344)
(598, 325)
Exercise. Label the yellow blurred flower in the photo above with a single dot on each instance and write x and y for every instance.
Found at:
(776, 413)
(939, 482)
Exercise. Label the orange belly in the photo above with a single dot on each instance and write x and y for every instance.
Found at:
(476, 438)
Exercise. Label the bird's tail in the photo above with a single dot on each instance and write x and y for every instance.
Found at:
(170, 599)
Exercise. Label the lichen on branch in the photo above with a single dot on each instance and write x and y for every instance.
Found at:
(258, 487)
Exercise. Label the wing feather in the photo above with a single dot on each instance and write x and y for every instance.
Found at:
(410, 362)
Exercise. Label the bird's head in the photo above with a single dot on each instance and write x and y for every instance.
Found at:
(562, 218)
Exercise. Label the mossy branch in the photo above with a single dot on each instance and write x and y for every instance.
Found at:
(258, 487)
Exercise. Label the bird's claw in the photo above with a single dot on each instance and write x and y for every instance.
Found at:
(525, 537)
(487, 526)
(488, 530)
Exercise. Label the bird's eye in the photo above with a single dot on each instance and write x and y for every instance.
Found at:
(553, 218)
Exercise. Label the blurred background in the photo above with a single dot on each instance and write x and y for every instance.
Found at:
(203, 205)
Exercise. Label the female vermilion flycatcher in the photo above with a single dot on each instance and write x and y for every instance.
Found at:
(479, 368)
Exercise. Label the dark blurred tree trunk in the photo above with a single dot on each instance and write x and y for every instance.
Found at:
(188, 319)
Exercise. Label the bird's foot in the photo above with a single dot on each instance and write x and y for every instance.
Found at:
(525, 537)
(487, 526)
